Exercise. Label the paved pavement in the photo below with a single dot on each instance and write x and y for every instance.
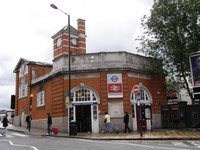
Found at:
(160, 134)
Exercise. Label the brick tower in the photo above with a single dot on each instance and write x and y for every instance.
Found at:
(77, 37)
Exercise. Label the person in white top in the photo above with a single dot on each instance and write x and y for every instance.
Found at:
(107, 123)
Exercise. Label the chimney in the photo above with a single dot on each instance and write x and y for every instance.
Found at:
(81, 26)
(82, 36)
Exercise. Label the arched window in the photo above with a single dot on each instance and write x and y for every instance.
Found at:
(143, 96)
(84, 95)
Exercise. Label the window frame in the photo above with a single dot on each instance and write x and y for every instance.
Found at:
(41, 98)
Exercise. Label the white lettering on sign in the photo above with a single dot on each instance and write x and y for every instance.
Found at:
(136, 89)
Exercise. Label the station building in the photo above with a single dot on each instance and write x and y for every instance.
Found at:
(100, 82)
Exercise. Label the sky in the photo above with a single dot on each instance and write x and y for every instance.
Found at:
(27, 26)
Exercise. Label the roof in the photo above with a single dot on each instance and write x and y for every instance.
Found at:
(23, 60)
(65, 29)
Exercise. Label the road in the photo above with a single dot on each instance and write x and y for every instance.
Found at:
(20, 141)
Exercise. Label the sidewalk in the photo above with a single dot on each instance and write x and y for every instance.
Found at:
(161, 134)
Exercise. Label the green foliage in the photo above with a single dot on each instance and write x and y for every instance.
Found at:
(156, 65)
(173, 84)
(172, 32)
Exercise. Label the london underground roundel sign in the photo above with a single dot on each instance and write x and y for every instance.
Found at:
(136, 89)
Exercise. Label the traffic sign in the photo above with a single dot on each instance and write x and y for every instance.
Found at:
(71, 95)
(136, 89)
(68, 103)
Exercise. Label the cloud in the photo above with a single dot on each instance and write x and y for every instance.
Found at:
(27, 27)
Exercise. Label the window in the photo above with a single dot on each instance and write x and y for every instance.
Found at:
(95, 112)
(84, 95)
(23, 70)
(40, 99)
(33, 73)
(143, 96)
(23, 86)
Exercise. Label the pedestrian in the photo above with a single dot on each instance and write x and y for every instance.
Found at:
(107, 123)
(49, 123)
(5, 125)
(126, 121)
(28, 121)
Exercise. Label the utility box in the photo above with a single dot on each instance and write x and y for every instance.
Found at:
(72, 128)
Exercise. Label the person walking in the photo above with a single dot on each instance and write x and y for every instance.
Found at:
(107, 123)
(5, 125)
(126, 121)
(49, 123)
(28, 121)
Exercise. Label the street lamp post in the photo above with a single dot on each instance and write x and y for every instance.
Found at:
(31, 98)
(69, 58)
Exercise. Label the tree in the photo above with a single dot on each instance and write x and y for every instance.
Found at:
(171, 34)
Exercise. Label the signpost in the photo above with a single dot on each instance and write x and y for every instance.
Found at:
(68, 102)
(136, 91)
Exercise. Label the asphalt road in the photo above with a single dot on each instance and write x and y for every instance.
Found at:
(19, 141)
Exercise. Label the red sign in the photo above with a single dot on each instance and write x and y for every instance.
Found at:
(136, 89)
(114, 88)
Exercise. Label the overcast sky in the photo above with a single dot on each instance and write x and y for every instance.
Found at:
(27, 26)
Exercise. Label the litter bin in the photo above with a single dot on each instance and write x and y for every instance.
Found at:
(72, 128)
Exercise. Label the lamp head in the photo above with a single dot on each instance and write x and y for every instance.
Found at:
(54, 6)
(31, 95)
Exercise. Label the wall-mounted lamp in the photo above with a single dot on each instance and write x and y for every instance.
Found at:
(31, 95)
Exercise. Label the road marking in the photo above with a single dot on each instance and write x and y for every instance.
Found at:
(18, 134)
(10, 135)
(135, 144)
(11, 143)
(179, 144)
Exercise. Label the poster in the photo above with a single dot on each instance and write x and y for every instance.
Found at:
(195, 69)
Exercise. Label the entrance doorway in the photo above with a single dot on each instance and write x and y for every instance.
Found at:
(83, 118)
(142, 101)
(85, 109)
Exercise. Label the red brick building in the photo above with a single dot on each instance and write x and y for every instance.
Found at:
(100, 82)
